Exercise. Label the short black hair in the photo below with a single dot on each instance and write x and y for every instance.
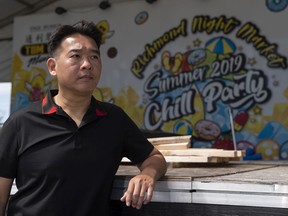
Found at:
(82, 27)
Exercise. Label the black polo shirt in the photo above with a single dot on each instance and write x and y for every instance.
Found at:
(62, 169)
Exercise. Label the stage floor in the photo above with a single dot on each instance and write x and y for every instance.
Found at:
(257, 184)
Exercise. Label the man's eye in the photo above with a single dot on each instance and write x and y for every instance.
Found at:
(75, 56)
(95, 57)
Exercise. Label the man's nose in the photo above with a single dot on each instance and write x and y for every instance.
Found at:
(86, 63)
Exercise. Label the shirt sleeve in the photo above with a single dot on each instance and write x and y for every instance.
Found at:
(137, 147)
(8, 149)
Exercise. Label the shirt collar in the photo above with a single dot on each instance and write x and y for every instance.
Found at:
(49, 106)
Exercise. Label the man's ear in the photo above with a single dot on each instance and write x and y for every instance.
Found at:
(51, 65)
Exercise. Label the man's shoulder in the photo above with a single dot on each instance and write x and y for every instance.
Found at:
(24, 114)
(32, 107)
(107, 106)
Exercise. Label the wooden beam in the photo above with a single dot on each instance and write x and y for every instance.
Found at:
(173, 146)
(170, 140)
(192, 159)
(202, 152)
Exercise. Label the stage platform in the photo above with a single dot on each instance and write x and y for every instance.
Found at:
(234, 188)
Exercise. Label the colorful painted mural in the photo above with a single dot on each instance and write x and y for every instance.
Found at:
(181, 72)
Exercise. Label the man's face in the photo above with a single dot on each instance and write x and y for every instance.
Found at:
(77, 64)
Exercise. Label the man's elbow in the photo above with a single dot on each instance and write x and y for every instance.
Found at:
(156, 161)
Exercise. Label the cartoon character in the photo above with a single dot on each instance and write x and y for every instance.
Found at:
(172, 64)
(103, 27)
(193, 58)
(240, 120)
(223, 143)
(37, 88)
(196, 57)
(269, 149)
(183, 62)
(207, 130)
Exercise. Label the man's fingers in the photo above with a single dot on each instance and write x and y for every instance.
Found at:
(149, 195)
(136, 197)
(142, 197)
(123, 198)
(128, 196)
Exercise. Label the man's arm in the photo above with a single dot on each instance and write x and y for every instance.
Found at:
(5, 188)
(141, 187)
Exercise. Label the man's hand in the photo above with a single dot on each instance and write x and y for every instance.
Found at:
(140, 188)
(139, 191)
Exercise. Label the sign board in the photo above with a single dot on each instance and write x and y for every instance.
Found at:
(179, 66)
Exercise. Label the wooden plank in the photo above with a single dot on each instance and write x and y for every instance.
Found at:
(201, 151)
(187, 159)
(240, 153)
(173, 146)
(192, 159)
(168, 140)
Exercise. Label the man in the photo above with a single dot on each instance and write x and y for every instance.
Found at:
(64, 151)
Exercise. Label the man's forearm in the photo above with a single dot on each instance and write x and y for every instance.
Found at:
(154, 166)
